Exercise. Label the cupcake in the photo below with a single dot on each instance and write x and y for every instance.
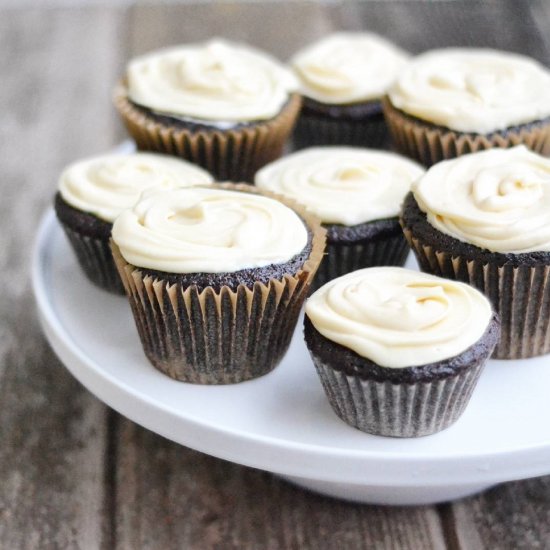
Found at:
(224, 106)
(450, 102)
(357, 195)
(92, 193)
(216, 278)
(399, 352)
(343, 79)
(484, 219)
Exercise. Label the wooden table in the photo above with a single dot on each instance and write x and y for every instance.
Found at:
(75, 474)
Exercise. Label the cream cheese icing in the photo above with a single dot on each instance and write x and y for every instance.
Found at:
(217, 80)
(342, 185)
(208, 230)
(105, 185)
(473, 90)
(399, 318)
(497, 199)
(348, 67)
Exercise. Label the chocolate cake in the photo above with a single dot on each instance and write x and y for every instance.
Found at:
(232, 280)
(89, 237)
(454, 101)
(195, 125)
(430, 143)
(516, 284)
(415, 224)
(211, 327)
(360, 124)
(350, 363)
(343, 77)
(404, 402)
(348, 248)
(399, 352)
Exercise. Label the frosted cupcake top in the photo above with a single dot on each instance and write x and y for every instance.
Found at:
(107, 184)
(399, 318)
(473, 90)
(348, 67)
(497, 199)
(216, 80)
(342, 185)
(208, 230)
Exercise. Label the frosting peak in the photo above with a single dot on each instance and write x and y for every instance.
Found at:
(208, 230)
(218, 81)
(399, 318)
(497, 199)
(506, 187)
(107, 184)
(473, 90)
(344, 185)
(348, 67)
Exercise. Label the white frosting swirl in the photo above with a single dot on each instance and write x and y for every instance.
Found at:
(217, 81)
(344, 185)
(473, 90)
(108, 184)
(208, 230)
(399, 318)
(348, 67)
(497, 199)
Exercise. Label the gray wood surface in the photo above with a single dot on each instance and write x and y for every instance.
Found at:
(74, 474)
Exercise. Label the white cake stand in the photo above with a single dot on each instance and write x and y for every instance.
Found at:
(282, 422)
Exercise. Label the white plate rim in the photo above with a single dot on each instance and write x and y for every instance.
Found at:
(275, 455)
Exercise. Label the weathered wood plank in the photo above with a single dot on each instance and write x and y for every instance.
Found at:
(172, 497)
(57, 69)
(278, 27)
(57, 440)
(512, 516)
(421, 25)
(539, 25)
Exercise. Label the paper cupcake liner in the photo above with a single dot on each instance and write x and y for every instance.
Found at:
(398, 410)
(313, 130)
(343, 258)
(519, 294)
(96, 260)
(219, 336)
(235, 154)
(430, 144)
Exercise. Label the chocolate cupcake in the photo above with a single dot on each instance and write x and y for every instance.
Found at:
(226, 107)
(216, 278)
(357, 195)
(451, 102)
(484, 219)
(93, 192)
(399, 352)
(343, 79)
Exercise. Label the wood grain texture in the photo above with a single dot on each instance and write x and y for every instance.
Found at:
(418, 25)
(512, 516)
(278, 27)
(55, 108)
(72, 473)
(170, 497)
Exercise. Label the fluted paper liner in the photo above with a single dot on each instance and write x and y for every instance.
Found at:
(430, 144)
(519, 294)
(233, 154)
(314, 130)
(398, 409)
(342, 258)
(95, 258)
(220, 336)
